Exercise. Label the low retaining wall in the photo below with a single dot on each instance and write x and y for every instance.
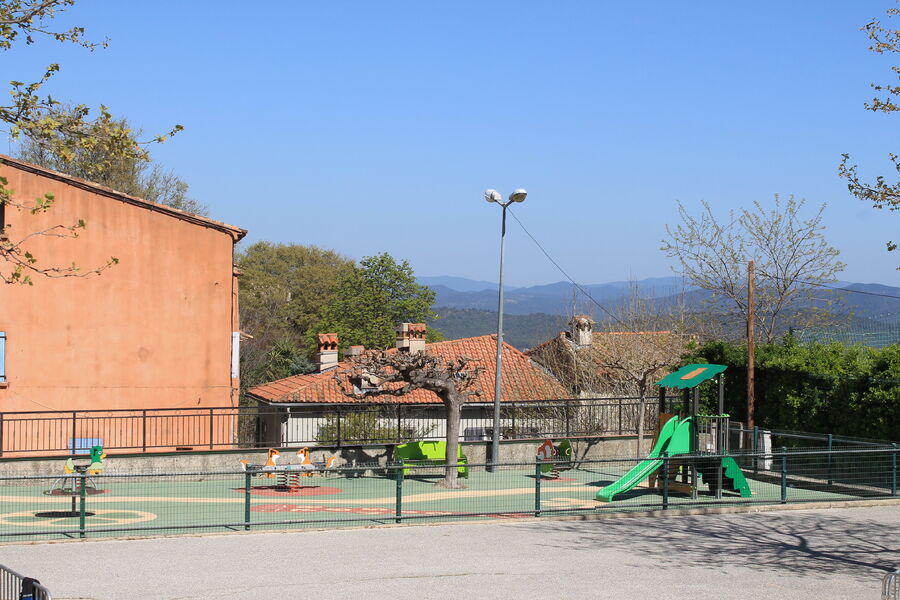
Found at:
(225, 460)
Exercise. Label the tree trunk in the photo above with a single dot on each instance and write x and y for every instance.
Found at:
(450, 479)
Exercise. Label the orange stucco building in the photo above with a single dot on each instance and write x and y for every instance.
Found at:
(159, 329)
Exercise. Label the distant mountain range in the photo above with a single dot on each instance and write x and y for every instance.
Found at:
(533, 314)
(554, 298)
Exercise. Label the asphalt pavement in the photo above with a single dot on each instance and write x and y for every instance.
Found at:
(799, 554)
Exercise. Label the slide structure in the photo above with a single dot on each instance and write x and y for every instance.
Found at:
(674, 438)
(733, 479)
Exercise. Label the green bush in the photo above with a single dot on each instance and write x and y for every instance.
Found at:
(826, 388)
(364, 427)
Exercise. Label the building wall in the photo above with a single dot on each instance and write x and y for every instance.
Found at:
(153, 331)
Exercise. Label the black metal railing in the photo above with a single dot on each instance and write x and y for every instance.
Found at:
(14, 586)
(228, 428)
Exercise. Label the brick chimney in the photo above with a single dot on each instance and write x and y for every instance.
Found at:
(411, 336)
(355, 351)
(582, 330)
(327, 357)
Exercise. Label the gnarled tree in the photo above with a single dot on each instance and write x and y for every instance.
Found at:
(398, 373)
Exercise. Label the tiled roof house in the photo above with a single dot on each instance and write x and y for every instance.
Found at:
(522, 379)
(313, 395)
(579, 357)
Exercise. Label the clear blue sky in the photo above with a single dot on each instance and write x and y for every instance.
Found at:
(376, 126)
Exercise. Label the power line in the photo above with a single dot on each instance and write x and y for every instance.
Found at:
(567, 276)
(829, 287)
(632, 329)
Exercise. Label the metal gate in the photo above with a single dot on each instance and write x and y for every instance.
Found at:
(890, 586)
(18, 587)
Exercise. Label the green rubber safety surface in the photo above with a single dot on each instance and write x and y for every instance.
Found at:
(172, 504)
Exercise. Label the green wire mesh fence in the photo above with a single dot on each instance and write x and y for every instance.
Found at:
(136, 504)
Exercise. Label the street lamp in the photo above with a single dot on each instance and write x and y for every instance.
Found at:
(494, 196)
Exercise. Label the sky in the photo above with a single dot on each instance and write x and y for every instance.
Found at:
(370, 127)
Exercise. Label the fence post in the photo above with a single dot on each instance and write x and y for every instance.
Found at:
(755, 445)
(537, 486)
(398, 503)
(665, 480)
(338, 419)
(210, 429)
(568, 420)
(81, 497)
(513, 410)
(1, 434)
(71, 448)
(399, 423)
(894, 470)
(247, 491)
(783, 475)
(830, 442)
(620, 416)
(143, 431)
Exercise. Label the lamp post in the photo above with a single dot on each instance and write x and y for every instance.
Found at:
(494, 196)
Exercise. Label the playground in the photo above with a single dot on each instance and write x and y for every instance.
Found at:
(178, 503)
(691, 464)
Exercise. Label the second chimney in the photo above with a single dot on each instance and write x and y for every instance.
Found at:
(411, 336)
(582, 330)
(327, 357)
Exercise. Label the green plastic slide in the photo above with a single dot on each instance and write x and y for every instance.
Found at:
(675, 438)
(732, 478)
(633, 477)
(733, 471)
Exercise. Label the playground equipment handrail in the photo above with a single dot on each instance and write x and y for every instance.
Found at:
(12, 584)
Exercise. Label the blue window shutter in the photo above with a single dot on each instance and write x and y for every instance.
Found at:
(2, 356)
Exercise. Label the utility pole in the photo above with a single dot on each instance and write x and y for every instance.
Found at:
(751, 345)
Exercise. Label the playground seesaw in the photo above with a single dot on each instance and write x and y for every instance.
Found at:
(288, 474)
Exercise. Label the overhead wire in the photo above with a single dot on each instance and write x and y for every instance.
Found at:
(578, 286)
(588, 295)
(842, 289)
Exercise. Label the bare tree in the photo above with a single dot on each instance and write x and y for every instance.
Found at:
(398, 373)
(640, 342)
(793, 262)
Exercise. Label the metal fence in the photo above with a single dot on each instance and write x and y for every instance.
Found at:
(143, 504)
(890, 586)
(18, 587)
(225, 428)
(759, 437)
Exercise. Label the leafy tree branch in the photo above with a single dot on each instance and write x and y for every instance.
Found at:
(63, 131)
(881, 192)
